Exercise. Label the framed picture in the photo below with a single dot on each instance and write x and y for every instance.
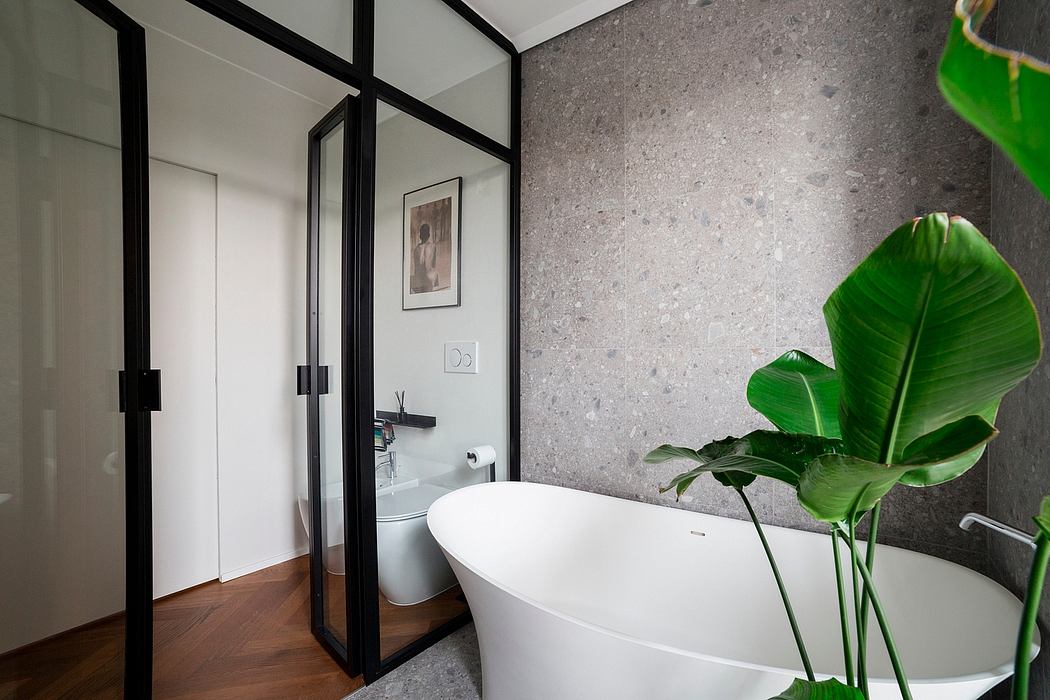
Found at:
(430, 259)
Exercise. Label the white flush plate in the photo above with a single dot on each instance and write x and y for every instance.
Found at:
(461, 357)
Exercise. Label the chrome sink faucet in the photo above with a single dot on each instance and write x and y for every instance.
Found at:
(390, 462)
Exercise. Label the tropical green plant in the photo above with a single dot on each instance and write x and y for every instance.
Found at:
(830, 689)
(928, 333)
(1006, 95)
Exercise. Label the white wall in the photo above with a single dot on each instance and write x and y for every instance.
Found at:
(471, 409)
(182, 309)
(209, 114)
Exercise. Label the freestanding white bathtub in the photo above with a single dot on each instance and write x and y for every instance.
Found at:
(578, 596)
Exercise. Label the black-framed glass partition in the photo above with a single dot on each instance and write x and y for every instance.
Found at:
(441, 353)
(327, 23)
(433, 53)
(413, 243)
(74, 349)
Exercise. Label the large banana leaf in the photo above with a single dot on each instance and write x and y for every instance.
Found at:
(737, 461)
(835, 487)
(798, 394)
(737, 471)
(1005, 94)
(830, 689)
(932, 327)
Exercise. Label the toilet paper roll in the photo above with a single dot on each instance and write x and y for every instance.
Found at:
(481, 456)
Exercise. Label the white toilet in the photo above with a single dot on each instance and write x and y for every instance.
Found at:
(334, 559)
(412, 568)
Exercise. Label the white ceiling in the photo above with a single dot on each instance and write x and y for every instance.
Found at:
(531, 22)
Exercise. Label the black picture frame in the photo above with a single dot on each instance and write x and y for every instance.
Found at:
(453, 187)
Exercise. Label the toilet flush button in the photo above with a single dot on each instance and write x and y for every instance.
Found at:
(461, 357)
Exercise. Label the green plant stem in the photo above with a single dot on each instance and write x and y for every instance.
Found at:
(887, 636)
(862, 622)
(783, 590)
(847, 650)
(1036, 579)
(862, 642)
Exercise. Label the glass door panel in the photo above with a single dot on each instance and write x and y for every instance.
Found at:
(330, 546)
(327, 23)
(441, 273)
(329, 349)
(72, 318)
(431, 52)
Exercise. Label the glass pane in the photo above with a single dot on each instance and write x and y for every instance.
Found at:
(327, 23)
(61, 346)
(330, 425)
(441, 274)
(425, 48)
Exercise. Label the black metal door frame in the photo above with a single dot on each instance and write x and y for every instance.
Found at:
(315, 384)
(140, 387)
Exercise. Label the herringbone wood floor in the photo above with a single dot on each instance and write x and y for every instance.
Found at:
(248, 638)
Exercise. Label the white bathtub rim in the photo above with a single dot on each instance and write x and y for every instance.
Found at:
(997, 674)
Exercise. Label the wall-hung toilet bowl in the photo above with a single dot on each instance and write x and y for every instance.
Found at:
(411, 566)
(334, 559)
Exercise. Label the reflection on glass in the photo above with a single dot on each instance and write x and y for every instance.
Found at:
(433, 190)
(61, 346)
(428, 50)
(327, 23)
(330, 425)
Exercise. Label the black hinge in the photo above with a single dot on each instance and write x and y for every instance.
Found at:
(148, 390)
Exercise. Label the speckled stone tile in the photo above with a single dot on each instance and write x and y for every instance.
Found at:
(765, 148)
(830, 215)
(699, 271)
(698, 107)
(689, 398)
(572, 289)
(901, 525)
(852, 76)
(932, 513)
(1036, 19)
(449, 670)
(788, 513)
(572, 412)
(573, 123)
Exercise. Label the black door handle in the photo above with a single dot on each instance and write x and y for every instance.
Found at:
(302, 380)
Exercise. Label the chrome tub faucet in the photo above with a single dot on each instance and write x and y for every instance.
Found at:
(970, 519)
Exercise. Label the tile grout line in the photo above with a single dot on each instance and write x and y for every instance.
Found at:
(623, 233)
(773, 505)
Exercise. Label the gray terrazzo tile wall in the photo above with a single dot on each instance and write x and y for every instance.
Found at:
(697, 176)
(1018, 460)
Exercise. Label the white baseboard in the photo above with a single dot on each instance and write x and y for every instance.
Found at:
(225, 576)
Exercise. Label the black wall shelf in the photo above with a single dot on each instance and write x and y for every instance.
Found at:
(411, 420)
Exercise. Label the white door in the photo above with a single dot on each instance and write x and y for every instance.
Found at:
(182, 324)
